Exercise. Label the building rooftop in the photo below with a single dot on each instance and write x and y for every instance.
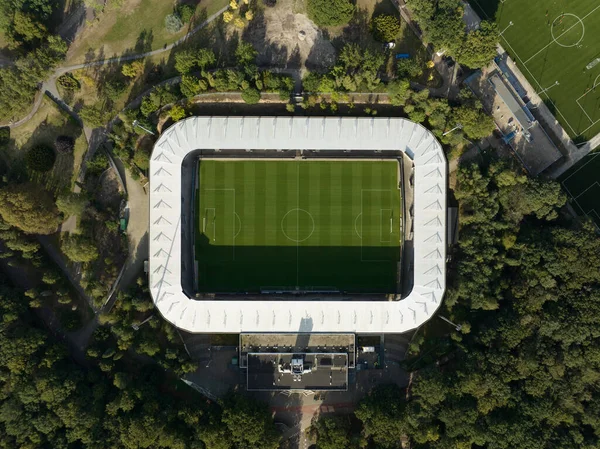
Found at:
(297, 371)
(513, 103)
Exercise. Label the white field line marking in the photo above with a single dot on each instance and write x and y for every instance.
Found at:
(381, 221)
(234, 214)
(584, 111)
(214, 214)
(297, 225)
(591, 185)
(362, 191)
(540, 86)
(591, 157)
(564, 32)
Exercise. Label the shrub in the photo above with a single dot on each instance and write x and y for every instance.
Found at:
(70, 203)
(385, 27)
(330, 12)
(64, 144)
(4, 137)
(40, 158)
(186, 12)
(149, 105)
(79, 248)
(94, 115)
(113, 89)
(173, 23)
(68, 82)
(133, 69)
(270, 3)
(177, 113)
(251, 95)
(409, 68)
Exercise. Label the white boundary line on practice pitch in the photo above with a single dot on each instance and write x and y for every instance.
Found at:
(582, 108)
(555, 39)
(535, 79)
(591, 158)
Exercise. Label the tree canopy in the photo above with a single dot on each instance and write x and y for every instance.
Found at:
(524, 374)
(29, 207)
(443, 26)
(330, 12)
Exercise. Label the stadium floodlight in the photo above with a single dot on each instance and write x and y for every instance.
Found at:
(556, 83)
(458, 126)
(509, 25)
(137, 124)
(458, 327)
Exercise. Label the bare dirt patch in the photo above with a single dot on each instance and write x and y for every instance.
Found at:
(287, 39)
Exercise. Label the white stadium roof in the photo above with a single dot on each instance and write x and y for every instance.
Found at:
(295, 133)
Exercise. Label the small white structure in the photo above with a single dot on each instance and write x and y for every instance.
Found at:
(222, 315)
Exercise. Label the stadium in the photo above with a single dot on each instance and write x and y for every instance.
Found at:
(297, 225)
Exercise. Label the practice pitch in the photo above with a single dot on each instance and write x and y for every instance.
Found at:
(298, 225)
(555, 45)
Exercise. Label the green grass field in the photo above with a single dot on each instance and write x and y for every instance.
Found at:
(307, 225)
(582, 184)
(555, 40)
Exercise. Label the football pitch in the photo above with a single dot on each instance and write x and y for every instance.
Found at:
(294, 225)
(581, 184)
(555, 44)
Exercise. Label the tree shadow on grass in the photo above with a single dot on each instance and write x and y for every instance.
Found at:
(59, 177)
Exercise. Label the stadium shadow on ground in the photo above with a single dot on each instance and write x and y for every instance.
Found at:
(255, 269)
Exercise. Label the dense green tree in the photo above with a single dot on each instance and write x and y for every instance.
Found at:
(480, 45)
(443, 26)
(191, 86)
(95, 115)
(186, 12)
(70, 203)
(29, 207)
(79, 248)
(380, 413)
(330, 12)
(333, 432)
(40, 158)
(251, 95)
(385, 27)
(245, 54)
(528, 282)
(474, 122)
(249, 423)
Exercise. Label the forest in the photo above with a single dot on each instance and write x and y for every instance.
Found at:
(523, 371)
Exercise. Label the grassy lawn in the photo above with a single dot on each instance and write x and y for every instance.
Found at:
(555, 42)
(136, 26)
(306, 225)
(44, 127)
(582, 186)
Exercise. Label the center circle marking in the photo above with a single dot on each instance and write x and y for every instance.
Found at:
(297, 211)
(554, 38)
